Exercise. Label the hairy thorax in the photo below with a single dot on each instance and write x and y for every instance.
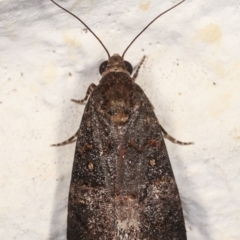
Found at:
(119, 98)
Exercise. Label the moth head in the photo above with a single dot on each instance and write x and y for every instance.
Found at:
(115, 64)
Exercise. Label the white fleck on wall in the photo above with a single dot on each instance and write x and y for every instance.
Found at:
(191, 75)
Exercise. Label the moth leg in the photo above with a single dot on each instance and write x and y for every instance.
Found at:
(138, 68)
(70, 140)
(89, 91)
(170, 138)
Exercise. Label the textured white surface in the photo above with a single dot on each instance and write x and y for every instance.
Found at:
(191, 75)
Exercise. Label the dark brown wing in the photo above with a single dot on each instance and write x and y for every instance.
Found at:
(122, 183)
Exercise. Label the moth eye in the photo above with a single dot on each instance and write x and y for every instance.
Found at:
(103, 66)
(128, 66)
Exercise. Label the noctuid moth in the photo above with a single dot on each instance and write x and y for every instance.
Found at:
(122, 185)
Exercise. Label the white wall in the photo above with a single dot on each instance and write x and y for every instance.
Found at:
(191, 75)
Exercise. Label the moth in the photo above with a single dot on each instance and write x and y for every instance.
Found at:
(122, 186)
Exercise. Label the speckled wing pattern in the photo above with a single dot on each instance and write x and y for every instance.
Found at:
(122, 185)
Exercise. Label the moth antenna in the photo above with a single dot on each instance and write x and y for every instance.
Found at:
(84, 25)
(149, 25)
